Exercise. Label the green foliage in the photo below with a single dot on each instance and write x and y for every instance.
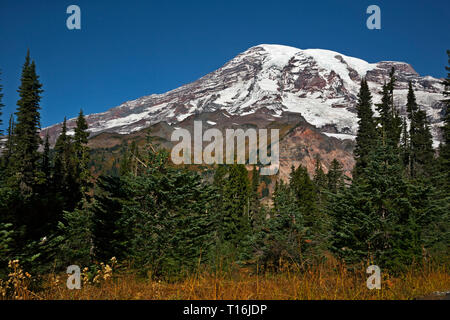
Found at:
(367, 136)
(286, 237)
(74, 239)
(6, 240)
(420, 150)
(320, 178)
(169, 221)
(305, 194)
(389, 119)
(26, 137)
(81, 155)
(109, 237)
(335, 177)
(235, 210)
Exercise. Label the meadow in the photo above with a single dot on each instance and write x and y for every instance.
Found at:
(328, 281)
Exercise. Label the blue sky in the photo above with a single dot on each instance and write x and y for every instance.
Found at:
(128, 49)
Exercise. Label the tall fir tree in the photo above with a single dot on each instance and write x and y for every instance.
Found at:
(379, 218)
(27, 140)
(8, 147)
(390, 120)
(421, 143)
(80, 141)
(320, 181)
(335, 177)
(304, 191)
(236, 205)
(64, 177)
(46, 161)
(320, 178)
(255, 194)
(405, 146)
(286, 237)
(366, 136)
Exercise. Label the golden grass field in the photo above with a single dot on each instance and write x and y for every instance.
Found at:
(329, 281)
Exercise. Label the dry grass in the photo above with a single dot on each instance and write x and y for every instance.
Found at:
(329, 281)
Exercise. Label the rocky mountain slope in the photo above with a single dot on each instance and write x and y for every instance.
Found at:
(265, 84)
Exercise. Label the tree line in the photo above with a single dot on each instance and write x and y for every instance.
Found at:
(168, 221)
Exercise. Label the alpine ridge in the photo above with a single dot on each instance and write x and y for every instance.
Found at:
(309, 94)
(321, 85)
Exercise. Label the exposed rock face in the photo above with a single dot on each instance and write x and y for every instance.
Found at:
(269, 83)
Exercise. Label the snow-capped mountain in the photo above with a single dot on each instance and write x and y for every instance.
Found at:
(321, 85)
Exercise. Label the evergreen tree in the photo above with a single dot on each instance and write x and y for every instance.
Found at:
(422, 145)
(286, 238)
(109, 232)
(320, 178)
(27, 140)
(335, 177)
(405, 146)
(304, 191)
(382, 217)
(45, 164)
(236, 205)
(255, 195)
(64, 177)
(9, 146)
(421, 142)
(366, 137)
(81, 149)
(411, 104)
(170, 216)
(389, 119)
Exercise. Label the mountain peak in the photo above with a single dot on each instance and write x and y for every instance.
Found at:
(320, 85)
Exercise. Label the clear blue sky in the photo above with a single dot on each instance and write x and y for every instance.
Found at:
(128, 49)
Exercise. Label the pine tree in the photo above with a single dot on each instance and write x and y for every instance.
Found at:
(9, 146)
(405, 146)
(422, 145)
(81, 149)
(286, 237)
(366, 137)
(255, 195)
(45, 164)
(27, 140)
(305, 193)
(389, 119)
(236, 205)
(109, 234)
(411, 104)
(335, 177)
(421, 142)
(168, 215)
(320, 178)
(380, 216)
(64, 177)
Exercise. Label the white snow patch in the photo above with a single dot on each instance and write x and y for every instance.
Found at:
(279, 55)
(320, 114)
(268, 84)
(340, 136)
(327, 60)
